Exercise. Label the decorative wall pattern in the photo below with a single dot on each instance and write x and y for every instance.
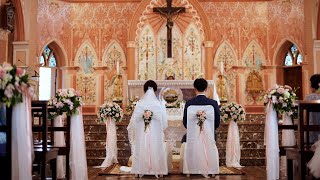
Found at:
(253, 56)
(86, 84)
(113, 55)
(226, 55)
(86, 58)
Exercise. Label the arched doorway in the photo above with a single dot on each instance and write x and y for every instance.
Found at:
(51, 58)
(290, 59)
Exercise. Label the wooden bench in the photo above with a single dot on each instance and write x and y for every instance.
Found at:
(302, 154)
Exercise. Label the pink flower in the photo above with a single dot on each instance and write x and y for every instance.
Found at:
(280, 90)
(6, 66)
(287, 87)
(59, 104)
(20, 72)
(78, 93)
(9, 91)
(2, 72)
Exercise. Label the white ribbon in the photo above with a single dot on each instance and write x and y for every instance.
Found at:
(78, 159)
(233, 152)
(288, 138)
(271, 141)
(22, 141)
(59, 141)
(111, 144)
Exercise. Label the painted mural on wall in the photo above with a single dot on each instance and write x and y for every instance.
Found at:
(253, 56)
(114, 57)
(86, 84)
(86, 58)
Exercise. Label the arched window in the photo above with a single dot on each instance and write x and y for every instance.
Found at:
(293, 56)
(47, 73)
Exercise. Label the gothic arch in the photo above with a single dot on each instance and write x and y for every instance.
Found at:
(86, 44)
(226, 48)
(282, 49)
(113, 45)
(139, 16)
(253, 51)
(60, 53)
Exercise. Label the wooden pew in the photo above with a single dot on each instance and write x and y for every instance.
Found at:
(43, 153)
(303, 153)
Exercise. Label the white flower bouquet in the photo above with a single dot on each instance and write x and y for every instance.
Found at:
(201, 117)
(112, 110)
(232, 111)
(66, 100)
(282, 98)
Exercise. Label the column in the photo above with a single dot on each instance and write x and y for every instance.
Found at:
(209, 59)
(21, 53)
(131, 46)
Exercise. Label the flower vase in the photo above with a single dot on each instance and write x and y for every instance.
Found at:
(111, 143)
(288, 138)
(233, 152)
(59, 141)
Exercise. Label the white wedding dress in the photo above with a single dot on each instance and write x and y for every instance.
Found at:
(147, 147)
(314, 163)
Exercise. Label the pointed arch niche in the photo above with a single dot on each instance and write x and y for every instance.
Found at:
(146, 54)
(86, 58)
(113, 54)
(192, 56)
(225, 54)
(253, 56)
(172, 67)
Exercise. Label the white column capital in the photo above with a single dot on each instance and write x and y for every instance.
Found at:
(208, 44)
(131, 44)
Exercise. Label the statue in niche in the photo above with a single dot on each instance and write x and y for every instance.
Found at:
(222, 88)
(170, 75)
(117, 88)
(254, 85)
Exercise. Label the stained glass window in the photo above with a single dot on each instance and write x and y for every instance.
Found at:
(293, 56)
(48, 58)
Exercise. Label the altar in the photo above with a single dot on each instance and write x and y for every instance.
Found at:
(178, 92)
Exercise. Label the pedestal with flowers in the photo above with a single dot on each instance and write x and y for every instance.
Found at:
(232, 112)
(69, 101)
(277, 99)
(16, 93)
(110, 113)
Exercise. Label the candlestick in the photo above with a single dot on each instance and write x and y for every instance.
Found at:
(118, 68)
(221, 67)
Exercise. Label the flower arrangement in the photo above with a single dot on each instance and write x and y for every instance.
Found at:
(112, 110)
(232, 111)
(132, 105)
(13, 82)
(66, 100)
(147, 117)
(201, 117)
(282, 98)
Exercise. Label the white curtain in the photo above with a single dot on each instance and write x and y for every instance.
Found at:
(288, 138)
(78, 159)
(314, 163)
(148, 149)
(59, 141)
(271, 141)
(111, 144)
(22, 141)
(233, 151)
(201, 153)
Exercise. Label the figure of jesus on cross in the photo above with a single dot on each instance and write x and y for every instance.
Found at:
(169, 13)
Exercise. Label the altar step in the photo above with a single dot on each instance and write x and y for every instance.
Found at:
(251, 141)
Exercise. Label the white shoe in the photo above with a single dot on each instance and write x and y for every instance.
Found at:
(205, 175)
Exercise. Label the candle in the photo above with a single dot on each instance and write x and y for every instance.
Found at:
(118, 68)
(221, 67)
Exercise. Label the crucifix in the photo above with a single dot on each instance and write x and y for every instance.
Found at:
(169, 13)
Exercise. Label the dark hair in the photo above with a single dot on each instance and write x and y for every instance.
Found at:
(315, 80)
(150, 83)
(200, 84)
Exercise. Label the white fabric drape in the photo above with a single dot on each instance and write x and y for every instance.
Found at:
(59, 141)
(201, 153)
(22, 141)
(271, 141)
(288, 138)
(78, 159)
(111, 144)
(233, 152)
(148, 149)
(314, 163)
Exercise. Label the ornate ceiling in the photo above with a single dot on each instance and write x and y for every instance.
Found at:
(119, 1)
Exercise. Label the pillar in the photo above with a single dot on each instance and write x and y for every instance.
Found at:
(208, 59)
(131, 45)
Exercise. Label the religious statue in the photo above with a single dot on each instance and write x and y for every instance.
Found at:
(117, 88)
(222, 87)
(254, 85)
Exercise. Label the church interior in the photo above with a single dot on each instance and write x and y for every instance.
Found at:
(107, 49)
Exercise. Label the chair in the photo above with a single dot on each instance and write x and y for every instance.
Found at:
(200, 154)
(43, 153)
(303, 153)
(5, 148)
